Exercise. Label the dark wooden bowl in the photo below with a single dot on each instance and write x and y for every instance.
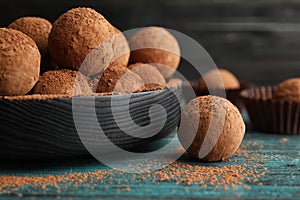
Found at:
(36, 128)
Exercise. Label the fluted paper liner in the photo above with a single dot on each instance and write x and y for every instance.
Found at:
(271, 115)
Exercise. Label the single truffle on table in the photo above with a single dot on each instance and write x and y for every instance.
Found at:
(219, 79)
(63, 81)
(149, 74)
(157, 46)
(81, 39)
(19, 62)
(288, 90)
(211, 129)
(35, 27)
(119, 79)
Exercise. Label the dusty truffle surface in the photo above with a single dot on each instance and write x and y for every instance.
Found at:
(149, 74)
(121, 49)
(63, 81)
(288, 90)
(119, 79)
(19, 62)
(156, 45)
(81, 39)
(219, 79)
(174, 82)
(212, 128)
(36, 28)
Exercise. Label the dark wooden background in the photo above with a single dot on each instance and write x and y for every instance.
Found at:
(257, 40)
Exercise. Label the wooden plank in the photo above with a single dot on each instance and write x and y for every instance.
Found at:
(282, 179)
(257, 40)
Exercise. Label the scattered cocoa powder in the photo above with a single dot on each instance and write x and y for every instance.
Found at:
(284, 139)
(9, 184)
(178, 173)
(228, 176)
(191, 174)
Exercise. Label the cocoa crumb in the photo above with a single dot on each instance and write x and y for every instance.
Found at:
(247, 187)
(284, 139)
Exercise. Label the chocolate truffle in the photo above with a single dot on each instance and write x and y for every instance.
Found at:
(63, 81)
(35, 27)
(81, 39)
(219, 79)
(121, 49)
(157, 46)
(19, 62)
(174, 82)
(149, 74)
(119, 79)
(288, 90)
(212, 128)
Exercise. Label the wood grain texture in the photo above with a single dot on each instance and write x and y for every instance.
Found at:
(45, 128)
(282, 179)
(257, 40)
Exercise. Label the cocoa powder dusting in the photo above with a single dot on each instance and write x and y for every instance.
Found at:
(196, 175)
(63, 81)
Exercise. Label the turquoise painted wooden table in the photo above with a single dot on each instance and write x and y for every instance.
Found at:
(278, 153)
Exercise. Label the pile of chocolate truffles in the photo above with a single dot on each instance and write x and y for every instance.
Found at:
(82, 53)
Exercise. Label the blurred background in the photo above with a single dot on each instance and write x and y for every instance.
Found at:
(257, 40)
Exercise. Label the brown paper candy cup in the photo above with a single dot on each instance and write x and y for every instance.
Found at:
(270, 115)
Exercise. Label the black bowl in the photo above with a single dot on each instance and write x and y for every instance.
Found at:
(35, 127)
